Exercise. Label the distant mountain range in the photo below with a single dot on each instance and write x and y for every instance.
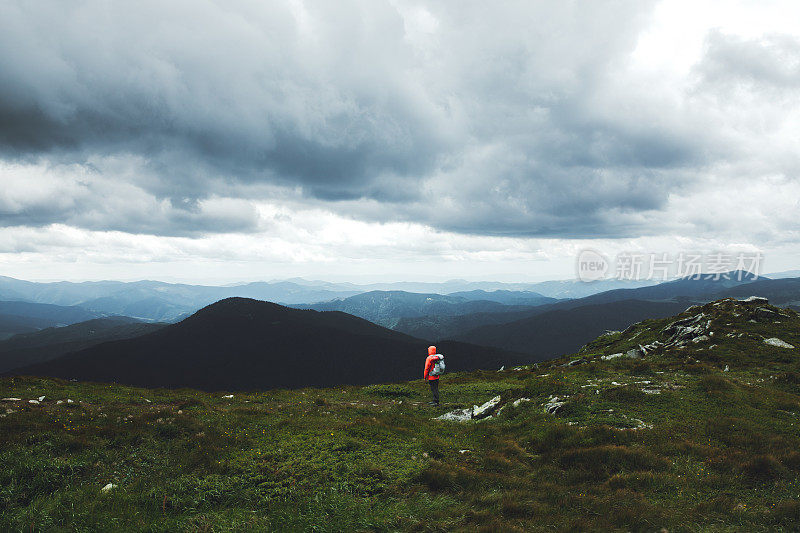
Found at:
(170, 302)
(387, 307)
(243, 343)
(238, 344)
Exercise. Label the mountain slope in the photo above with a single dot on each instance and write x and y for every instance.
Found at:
(57, 314)
(50, 343)
(240, 344)
(553, 333)
(25, 317)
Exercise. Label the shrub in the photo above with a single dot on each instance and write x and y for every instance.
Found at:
(609, 459)
(787, 511)
(714, 383)
(763, 468)
(627, 394)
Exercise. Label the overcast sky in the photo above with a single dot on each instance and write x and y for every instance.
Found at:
(229, 140)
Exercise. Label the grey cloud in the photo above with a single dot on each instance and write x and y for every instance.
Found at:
(497, 114)
(770, 61)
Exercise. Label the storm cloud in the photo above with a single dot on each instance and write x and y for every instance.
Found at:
(523, 119)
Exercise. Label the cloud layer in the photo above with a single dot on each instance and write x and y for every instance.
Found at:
(520, 119)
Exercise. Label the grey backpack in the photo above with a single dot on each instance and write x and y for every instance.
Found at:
(438, 366)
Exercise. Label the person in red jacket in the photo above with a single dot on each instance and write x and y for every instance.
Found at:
(433, 381)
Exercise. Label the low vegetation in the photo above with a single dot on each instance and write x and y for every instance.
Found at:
(703, 437)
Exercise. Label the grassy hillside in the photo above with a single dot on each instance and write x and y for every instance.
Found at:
(671, 439)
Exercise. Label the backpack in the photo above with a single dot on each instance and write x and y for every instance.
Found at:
(438, 366)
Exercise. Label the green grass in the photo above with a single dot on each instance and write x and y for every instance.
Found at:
(711, 451)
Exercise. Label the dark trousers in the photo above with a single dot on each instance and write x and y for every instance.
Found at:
(434, 389)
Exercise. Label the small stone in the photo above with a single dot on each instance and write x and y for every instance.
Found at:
(228, 396)
(756, 300)
(34, 402)
(69, 401)
(11, 400)
(59, 402)
(41, 398)
(774, 341)
(108, 488)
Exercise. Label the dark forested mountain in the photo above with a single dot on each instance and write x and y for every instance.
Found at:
(554, 333)
(785, 291)
(26, 317)
(239, 343)
(386, 307)
(52, 342)
(11, 325)
(58, 314)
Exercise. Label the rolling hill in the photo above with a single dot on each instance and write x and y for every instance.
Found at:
(243, 344)
(53, 342)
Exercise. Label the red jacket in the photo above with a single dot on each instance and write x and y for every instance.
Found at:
(429, 362)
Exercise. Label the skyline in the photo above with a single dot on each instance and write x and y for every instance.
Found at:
(393, 140)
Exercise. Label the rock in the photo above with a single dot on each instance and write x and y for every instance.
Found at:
(612, 356)
(108, 488)
(553, 405)
(34, 402)
(686, 329)
(764, 313)
(228, 396)
(760, 300)
(41, 398)
(518, 401)
(473, 413)
(636, 353)
(502, 368)
(457, 415)
(575, 362)
(11, 400)
(463, 451)
(485, 410)
(774, 341)
(700, 338)
(69, 401)
(59, 402)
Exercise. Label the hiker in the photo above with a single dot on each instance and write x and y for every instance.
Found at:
(434, 367)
